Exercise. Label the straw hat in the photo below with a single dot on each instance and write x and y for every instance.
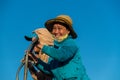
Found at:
(63, 20)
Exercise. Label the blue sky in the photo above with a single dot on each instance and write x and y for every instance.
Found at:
(97, 23)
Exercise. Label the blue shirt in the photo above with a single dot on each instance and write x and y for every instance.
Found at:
(65, 61)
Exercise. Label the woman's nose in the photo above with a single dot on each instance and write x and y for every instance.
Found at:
(56, 31)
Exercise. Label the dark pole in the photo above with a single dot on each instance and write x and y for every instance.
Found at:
(30, 49)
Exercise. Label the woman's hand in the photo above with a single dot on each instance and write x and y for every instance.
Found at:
(37, 49)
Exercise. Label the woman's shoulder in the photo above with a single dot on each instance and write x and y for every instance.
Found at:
(70, 40)
(67, 42)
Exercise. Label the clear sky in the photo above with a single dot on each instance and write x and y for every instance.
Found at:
(97, 23)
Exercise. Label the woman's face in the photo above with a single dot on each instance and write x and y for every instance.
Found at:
(59, 30)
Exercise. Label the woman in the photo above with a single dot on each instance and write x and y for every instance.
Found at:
(64, 61)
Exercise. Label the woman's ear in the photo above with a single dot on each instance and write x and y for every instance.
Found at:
(68, 31)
